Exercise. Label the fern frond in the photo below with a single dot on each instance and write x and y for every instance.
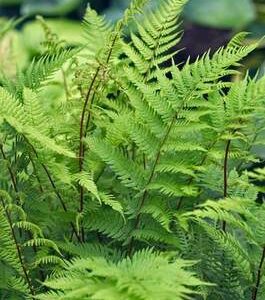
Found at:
(93, 26)
(233, 249)
(43, 68)
(11, 256)
(88, 183)
(129, 173)
(159, 211)
(28, 226)
(157, 34)
(35, 113)
(49, 260)
(13, 112)
(160, 277)
(108, 222)
(42, 242)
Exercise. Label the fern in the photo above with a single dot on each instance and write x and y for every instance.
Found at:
(11, 257)
(123, 175)
(140, 277)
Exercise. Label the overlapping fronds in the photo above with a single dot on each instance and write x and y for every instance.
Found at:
(127, 173)
(146, 275)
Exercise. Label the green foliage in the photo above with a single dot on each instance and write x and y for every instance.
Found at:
(123, 176)
(146, 275)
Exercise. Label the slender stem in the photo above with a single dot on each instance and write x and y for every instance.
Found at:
(259, 275)
(60, 199)
(82, 145)
(54, 187)
(225, 175)
(144, 161)
(24, 270)
(13, 179)
(145, 194)
(157, 160)
(41, 272)
(190, 181)
(84, 127)
(36, 174)
(56, 191)
(82, 120)
(82, 132)
(89, 115)
(12, 175)
(151, 176)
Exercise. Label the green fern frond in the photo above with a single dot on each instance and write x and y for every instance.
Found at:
(28, 226)
(11, 256)
(34, 111)
(232, 248)
(108, 222)
(42, 242)
(157, 34)
(159, 211)
(93, 26)
(110, 149)
(43, 68)
(13, 112)
(160, 276)
(129, 173)
(49, 260)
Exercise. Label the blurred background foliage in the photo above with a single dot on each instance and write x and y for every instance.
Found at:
(207, 24)
(220, 14)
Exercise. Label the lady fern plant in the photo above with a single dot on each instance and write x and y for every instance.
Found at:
(123, 175)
